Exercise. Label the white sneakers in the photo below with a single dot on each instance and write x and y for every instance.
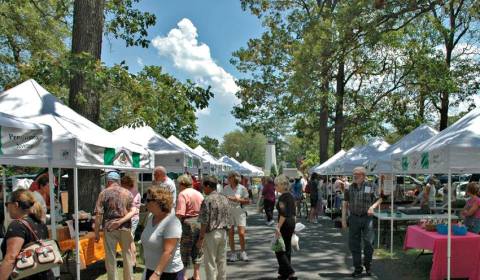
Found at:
(243, 256)
(270, 223)
(232, 256)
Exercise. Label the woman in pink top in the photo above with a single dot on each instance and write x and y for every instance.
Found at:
(472, 209)
(129, 183)
(187, 210)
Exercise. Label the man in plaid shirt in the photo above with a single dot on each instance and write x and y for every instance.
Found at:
(360, 199)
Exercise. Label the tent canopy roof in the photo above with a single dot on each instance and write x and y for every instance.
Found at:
(357, 156)
(147, 137)
(235, 165)
(456, 148)
(256, 171)
(78, 142)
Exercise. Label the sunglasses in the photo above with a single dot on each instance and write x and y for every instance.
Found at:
(149, 200)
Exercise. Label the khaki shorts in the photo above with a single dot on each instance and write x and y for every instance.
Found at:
(238, 217)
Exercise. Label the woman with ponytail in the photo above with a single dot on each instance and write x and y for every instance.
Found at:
(22, 205)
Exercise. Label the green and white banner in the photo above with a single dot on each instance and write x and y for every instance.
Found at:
(20, 141)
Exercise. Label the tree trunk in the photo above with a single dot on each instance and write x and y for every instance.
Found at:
(339, 117)
(323, 118)
(88, 20)
(445, 102)
(421, 106)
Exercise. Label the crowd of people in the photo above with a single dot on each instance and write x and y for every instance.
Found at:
(190, 225)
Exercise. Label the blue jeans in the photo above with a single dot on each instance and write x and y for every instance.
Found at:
(361, 229)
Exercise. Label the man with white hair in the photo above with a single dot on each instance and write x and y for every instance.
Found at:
(161, 179)
(360, 200)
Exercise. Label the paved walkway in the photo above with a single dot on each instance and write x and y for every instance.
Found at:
(323, 252)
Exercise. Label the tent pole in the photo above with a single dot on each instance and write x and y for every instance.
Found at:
(449, 240)
(392, 198)
(378, 227)
(4, 190)
(77, 234)
(141, 183)
(53, 212)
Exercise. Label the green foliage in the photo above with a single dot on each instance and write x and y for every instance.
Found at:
(127, 23)
(394, 72)
(210, 144)
(273, 171)
(249, 145)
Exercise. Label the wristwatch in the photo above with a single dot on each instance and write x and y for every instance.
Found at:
(158, 273)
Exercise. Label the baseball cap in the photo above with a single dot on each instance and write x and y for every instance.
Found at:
(113, 175)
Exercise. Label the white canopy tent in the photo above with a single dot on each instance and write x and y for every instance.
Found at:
(324, 167)
(172, 157)
(357, 156)
(454, 150)
(23, 143)
(216, 166)
(77, 142)
(196, 164)
(383, 163)
(235, 165)
(255, 170)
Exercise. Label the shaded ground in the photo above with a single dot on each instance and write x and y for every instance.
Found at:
(323, 255)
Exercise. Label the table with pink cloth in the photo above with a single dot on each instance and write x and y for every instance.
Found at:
(465, 254)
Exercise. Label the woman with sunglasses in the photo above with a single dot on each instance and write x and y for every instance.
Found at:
(22, 205)
(161, 236)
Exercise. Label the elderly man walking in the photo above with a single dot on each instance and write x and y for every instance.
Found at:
(114, 211)
(360, 200)
(162, 180)
(237, 194)
(214, 220)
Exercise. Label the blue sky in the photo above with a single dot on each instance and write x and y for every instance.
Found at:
(195, 40)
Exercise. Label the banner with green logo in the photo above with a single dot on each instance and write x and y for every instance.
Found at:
(425, 160)
(405, 163)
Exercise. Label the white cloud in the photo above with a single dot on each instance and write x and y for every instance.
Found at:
(140, 61)
(204, 111)
(194, 58)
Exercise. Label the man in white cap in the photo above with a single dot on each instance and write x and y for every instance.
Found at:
(114, 212)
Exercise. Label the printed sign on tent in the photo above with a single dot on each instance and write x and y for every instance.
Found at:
(18, 141)
(404, 163)
(425, 161)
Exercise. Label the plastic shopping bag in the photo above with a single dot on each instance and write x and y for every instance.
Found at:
(278, 245)
(299, 227)
(295, 244)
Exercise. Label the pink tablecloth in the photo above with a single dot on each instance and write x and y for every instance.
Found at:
(465, 257)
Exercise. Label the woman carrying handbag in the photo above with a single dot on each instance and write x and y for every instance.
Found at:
(26, 213)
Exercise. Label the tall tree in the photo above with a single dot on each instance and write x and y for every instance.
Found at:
(210, 144)
(250, 146)
(87, 33)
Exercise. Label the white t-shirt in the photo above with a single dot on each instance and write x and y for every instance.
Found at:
(39, 198)
(240, 191)
(152, 241)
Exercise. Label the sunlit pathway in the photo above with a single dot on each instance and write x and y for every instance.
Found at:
(323, 252)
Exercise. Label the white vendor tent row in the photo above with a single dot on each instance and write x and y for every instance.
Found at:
(383, 163)
(235, 165)
(216, 167)
(255, 170)
(196, 162)
(357, 156)
(454, 150)
(323, 168)
(77, 142)
(170, 156)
